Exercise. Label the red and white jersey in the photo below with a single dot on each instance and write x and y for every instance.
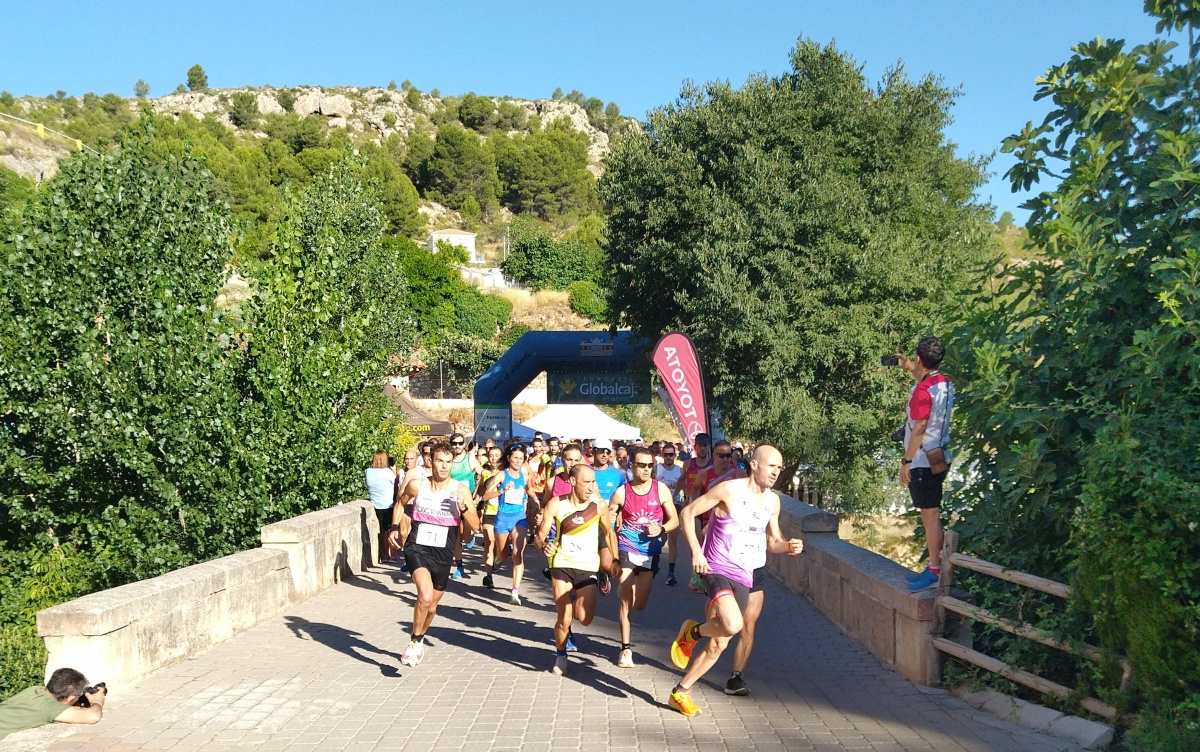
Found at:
(931, 400)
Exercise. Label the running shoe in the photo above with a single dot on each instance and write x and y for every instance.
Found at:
(470, 543)
(514, 598)
(413, 654)
(914, 576)
(625, 660)
(736, 686)
(570, 644)
(926, 580)
(671, 581)
(605, 584)
(697, 584)
(487, 582)
(560, 665)
(404, 566)
(681, 700)
(457, 574)
(681, 648)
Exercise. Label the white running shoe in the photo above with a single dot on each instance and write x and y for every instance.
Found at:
(413, 654)
(560, 665)
(514, 598)
(626, 659)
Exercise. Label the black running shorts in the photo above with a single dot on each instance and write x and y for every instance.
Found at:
(578, 578)
(718, 585)
(925, 488)
(437, 560)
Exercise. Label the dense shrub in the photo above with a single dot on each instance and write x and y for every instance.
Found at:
(585, 298)
(481, 315)
(539, 260)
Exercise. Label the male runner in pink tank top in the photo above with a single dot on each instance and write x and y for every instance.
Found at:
(743, 529)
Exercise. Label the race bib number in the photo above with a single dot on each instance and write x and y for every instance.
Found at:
(571, 547)
(434, 536)
(514, 497)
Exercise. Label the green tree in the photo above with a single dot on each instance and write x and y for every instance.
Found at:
(511, 116)
(286, 99)
(328, 299)
(107, 299)
(433, 283)
(392, 85)
(397, 197)
(1082, 387)
(244, 112)
(459, 167)
(557, 93)
(405, 85)
(141, 89)
(180, 89)
(797, 228)
(539, 260)
(477, 112)
(197, 79)
(413, 99)
(545, 172)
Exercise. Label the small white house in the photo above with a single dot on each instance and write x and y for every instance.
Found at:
(461, 238)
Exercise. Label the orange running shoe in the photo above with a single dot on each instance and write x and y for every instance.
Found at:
(681, 648)
(681, 700)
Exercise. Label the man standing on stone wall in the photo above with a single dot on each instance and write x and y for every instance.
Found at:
(926, 460)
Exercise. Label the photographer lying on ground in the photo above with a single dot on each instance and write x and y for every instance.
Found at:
(60, 700)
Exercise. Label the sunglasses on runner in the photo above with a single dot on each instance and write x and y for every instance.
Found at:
(723, 455)
(643, 464)
(457, 443)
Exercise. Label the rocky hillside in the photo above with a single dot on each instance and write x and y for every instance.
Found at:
(370, 112)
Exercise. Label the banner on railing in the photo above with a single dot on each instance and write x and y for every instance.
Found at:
(679, 370)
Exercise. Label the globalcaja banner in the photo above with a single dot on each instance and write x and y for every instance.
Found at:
(679, 370)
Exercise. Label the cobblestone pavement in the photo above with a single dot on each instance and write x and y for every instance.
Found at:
(328, 676)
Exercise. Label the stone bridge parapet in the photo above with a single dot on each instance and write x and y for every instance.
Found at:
(127, 632)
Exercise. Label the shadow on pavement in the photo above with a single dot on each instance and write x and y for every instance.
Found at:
(342, 640)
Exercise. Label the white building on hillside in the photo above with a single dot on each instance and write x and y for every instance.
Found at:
(461, 238)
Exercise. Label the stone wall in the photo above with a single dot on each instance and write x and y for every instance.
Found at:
(125, 633)
(864, 593)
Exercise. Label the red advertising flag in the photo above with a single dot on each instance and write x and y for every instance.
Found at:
(679, 369)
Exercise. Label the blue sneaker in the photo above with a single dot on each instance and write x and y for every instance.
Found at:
(924, 582)
(470, 543)
(457, 574)
(914, 576)
(570, 645)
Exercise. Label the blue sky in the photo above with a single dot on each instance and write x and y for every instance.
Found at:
(634, 53)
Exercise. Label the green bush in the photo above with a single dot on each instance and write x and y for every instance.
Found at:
(480, 315)
(512, 333)
(585, 298)
(22, 657)
(539, 260)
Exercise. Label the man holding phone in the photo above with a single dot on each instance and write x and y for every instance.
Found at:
(926, 461)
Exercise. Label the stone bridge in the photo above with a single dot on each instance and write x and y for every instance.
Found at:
(296, 646)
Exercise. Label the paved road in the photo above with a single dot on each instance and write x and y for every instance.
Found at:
(327, 676)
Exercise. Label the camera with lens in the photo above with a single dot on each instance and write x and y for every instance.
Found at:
(83, 701)
(898, 435)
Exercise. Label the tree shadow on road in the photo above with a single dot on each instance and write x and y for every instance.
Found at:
(342, 640)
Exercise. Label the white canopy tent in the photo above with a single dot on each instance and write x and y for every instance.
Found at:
(580, 422)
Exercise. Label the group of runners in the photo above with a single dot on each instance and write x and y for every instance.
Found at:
(594, 519)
